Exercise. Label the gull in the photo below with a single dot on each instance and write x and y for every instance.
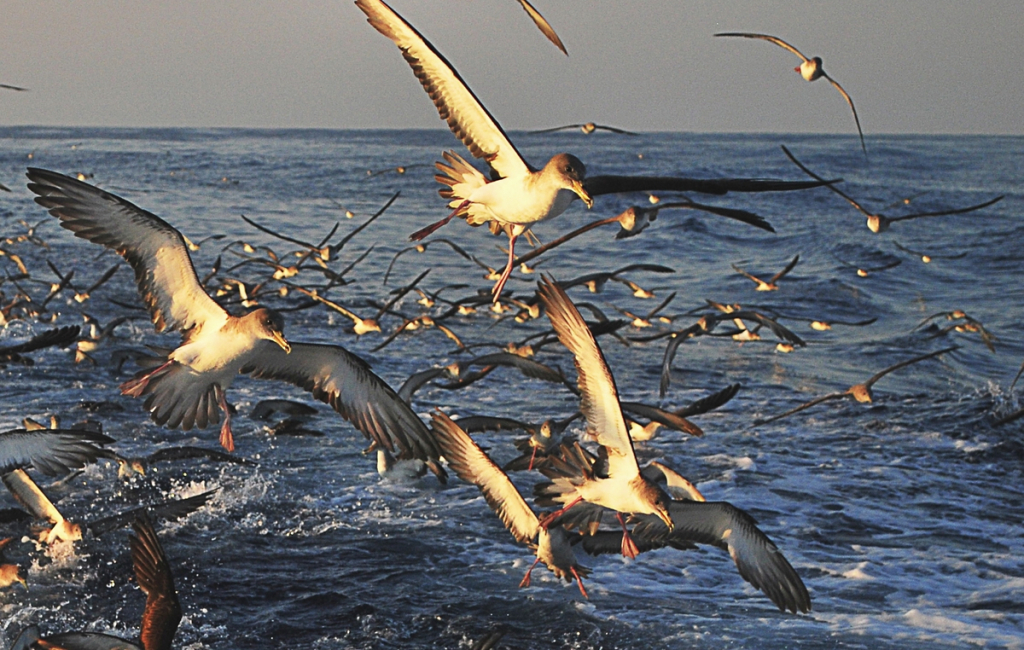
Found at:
(10, 574)
(769, 284)
(186, 388)
(160, 618)
(552, 545)
(624, 489)
(516, 196)
(810, 70)
(879, 222)
(860, 392)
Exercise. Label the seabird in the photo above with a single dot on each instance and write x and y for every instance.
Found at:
(586, 128)
(517, 195)
(552, 545)
(859, 392)
(159, 619)
(769, 284)
(810, 70)
(624, 489)
(878, 222)
(186, 388)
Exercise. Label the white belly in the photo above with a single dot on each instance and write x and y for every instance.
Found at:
(517, 201)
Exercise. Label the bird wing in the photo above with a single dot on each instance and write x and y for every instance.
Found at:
(58, 337)
(903, 364)
(802, 407)
(416, 381)
(610, 184)
(849, 101)
(163, 612)
(337, 377)
(781, 274)
(171, 510)
(154, 249)
(473, 465)
(757, 558)
(51, 451)
(771, 39)
(528, 367)
(455, 102)
(807, 171)
(665, 418)
(599, 399)
(711, 402)
(945, 212)
(28, 494)
(543, 25)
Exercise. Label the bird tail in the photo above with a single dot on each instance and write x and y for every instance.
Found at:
(176, 398)
(568, 469)
(461, 179)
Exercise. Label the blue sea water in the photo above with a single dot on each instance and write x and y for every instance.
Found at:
(902, 516)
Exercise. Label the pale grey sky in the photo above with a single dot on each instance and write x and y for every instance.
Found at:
(912, 66)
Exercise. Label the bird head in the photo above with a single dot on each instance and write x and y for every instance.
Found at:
(572, 172)
(270, 326)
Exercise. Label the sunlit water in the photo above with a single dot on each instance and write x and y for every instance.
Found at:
(903, 516)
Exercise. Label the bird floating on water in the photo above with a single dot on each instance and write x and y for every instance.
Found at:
(810, 70)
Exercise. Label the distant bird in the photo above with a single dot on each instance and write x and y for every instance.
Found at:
(879, 222)
(10, 574)
(552, 545)
(543, 25)
(9, 87)
(769, 284)
(159, 619)
(624, 489)
(928, 257)
(809, 69)
(186, 389)
(516, 196)
(587, 128)
(860, 392)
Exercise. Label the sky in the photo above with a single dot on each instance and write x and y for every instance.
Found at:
(913, 66)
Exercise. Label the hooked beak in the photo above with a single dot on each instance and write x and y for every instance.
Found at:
(664, 516)
(280, 340)
(581, 192)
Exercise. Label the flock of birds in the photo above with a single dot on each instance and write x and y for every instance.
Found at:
(595, 493)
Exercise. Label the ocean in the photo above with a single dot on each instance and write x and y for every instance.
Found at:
(902, 516)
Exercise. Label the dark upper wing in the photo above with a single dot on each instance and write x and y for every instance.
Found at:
(168, 510)
(163, 612)
(59, 337)
(771, 39)
(339, 378)
(455, 102)
(51, 451)
(597, 185)
(155, 250)
(543, 25)
(711, 402)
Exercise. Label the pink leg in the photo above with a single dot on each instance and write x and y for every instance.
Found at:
(508, 267)
(526, 579)
(420, 234)
(579, 582)
(532, 457)
(546, 521)
(629, 548)
(135, 387)
(227, 440)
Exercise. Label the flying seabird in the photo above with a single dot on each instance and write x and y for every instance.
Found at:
(586, 128)
(186, 388)
(770, 284)
(552, 545)
(878, 222)
(159, 619)
(810, 70)
(624, 489)
(859, 392)
(517, 195)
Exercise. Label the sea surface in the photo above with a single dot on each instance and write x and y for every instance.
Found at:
(902, 516)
